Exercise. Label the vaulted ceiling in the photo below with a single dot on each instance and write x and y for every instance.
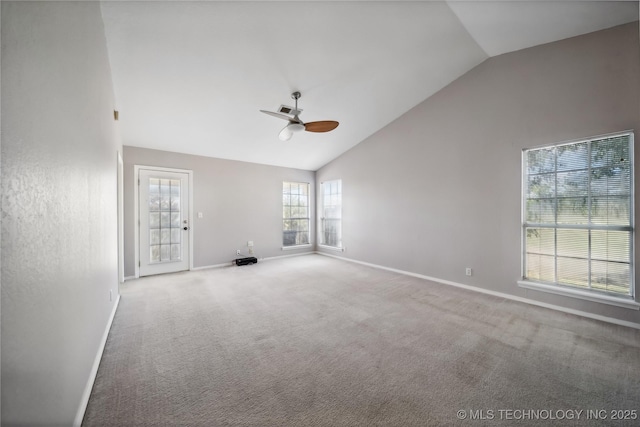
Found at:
(191, 77)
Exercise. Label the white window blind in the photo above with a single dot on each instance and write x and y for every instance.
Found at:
(295, 213)
(578, 214)
(331, 234)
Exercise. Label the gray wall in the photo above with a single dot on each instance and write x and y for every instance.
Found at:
(439, 189)
(59, 222)
(240, 201)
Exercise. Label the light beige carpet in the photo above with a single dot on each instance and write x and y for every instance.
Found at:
(316, 341)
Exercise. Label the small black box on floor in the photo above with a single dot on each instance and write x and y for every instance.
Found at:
(246, 261)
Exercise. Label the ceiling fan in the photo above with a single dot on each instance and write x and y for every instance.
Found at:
(295, 124)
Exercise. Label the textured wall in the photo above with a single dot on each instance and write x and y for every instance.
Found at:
(59, 223)
(239, 201)
(439, 189)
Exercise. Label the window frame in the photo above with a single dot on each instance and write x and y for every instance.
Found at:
(290, 218)
(323, 217)
(621, 300)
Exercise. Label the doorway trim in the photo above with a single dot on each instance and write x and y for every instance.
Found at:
(120, 220)
(136, 209)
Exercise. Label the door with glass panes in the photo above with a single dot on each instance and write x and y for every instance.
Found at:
(164, 221)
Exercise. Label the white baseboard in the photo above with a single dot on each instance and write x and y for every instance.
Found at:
(94, 370)
(233, 264)
(207, 267)
(331, 248)
(286, 256)
(494, 293)
(129, 278)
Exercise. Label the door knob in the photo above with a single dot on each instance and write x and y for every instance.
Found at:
(186, 228)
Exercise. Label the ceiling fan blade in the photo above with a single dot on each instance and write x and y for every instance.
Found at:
(278, 115)
(321, 126)
(285, 134)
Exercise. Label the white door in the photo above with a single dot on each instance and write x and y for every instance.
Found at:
(164, 221)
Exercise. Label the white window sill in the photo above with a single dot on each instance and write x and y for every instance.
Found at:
(290, 248)
(332, 248)
(577, 293)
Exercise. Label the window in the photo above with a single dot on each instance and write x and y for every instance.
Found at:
(295, 213)
(332, 213)
(578, 215)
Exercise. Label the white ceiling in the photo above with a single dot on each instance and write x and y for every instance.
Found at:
(191, 77)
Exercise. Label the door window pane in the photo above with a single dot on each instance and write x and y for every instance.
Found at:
(164, 220)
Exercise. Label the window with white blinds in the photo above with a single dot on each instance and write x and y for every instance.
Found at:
(578, 215)
(331, 233)
(295, 213)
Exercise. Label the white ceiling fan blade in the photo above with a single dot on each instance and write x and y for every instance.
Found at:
(285, 133)
(278, 115)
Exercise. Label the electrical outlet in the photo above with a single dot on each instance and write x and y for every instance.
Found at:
(238, 252)
(468, 271)
(250, 243)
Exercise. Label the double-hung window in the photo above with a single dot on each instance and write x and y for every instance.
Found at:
(295, 214)
(331, 232)
(578, 216)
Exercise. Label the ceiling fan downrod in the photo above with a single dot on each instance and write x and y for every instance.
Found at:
(296, 95)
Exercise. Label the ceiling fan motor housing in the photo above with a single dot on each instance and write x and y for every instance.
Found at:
(295, 127)
(285, 109)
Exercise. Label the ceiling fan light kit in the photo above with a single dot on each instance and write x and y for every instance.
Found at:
(285, 134)
(295, 124)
